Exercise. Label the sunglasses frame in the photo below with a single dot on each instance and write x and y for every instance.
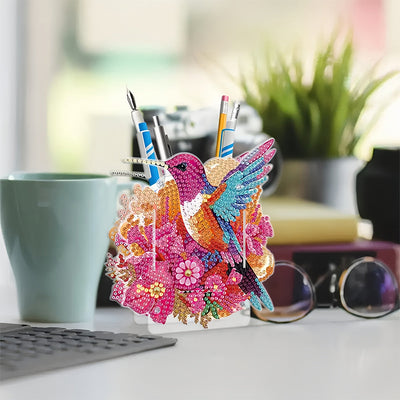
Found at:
(339, 292)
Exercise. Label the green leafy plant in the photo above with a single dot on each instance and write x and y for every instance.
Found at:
(317, 118)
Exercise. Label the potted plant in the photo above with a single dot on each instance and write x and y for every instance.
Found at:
(314, 121)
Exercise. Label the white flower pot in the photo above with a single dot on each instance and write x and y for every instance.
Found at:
(326, 181)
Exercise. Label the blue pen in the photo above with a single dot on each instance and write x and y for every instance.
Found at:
(146, 148)
(227, 134)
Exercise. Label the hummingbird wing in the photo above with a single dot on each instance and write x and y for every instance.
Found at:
(239, 185)
(235, 194)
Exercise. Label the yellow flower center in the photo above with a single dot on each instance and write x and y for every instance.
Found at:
(157, 290)
(139, 288)
(188, 272)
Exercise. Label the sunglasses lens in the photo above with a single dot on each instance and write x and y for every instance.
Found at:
(291, 292)
(369, 288)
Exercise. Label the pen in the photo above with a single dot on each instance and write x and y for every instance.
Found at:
(227, 135)
(164, 148)
(146, 148)
(223, 111)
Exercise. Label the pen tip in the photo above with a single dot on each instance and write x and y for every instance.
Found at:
(156, 120)
(131, 99)
(236, 109)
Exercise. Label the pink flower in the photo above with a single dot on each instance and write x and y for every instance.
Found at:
(256, 235)
(152, 294)
(118, 291)
(266, 227)
(188, 273)
(169, 243)
(195, 300)
(215, 285)
(234, 278)
(142, 263)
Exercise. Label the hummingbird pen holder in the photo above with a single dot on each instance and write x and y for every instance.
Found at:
(196, 247)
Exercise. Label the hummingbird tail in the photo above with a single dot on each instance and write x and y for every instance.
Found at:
(255, 302)
(251, 284)
(265, 298)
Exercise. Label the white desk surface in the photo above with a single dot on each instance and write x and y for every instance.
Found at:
(328, 355)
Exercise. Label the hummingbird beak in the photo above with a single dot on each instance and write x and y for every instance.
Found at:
(144, 161)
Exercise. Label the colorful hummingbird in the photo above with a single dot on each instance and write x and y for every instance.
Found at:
(208, 211)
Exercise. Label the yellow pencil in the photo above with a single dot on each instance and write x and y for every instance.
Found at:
(223, 111)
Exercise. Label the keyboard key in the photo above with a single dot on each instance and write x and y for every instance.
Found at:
(27, 350)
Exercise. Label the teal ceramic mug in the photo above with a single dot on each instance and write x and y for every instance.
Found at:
(55, 228)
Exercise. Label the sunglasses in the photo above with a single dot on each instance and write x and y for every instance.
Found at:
(367, 288)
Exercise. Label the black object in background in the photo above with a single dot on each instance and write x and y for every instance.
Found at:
(27, 350)
(199, 145)
(378, 193)
(105, 286)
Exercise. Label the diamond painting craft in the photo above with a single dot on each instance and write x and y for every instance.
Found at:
(195, 248)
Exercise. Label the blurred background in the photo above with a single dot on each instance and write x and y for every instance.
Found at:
(66, 65)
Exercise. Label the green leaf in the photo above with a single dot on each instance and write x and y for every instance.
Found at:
(315, 119)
